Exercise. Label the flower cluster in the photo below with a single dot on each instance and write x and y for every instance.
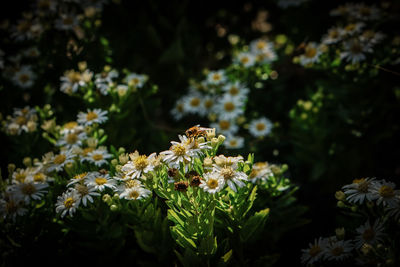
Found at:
(22, 120)
(223, 94)
(353, 40)
(377, 204)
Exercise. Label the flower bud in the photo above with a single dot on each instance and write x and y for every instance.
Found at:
(341, 204)
(115, 196)
(27, 161)
(214, 141)
(107, 199)
(340, 195)
(208, 162)
(11, 168)
(114, 208)
(340, 232)
(123, 158)
(221, 139)
(114, 162)
(201, 139)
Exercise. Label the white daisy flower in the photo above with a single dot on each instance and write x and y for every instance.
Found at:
(368, 234)
(104, 80)
(92, 116)
(60, 160)
(138, 165)
(71, 139)
(135, 193)
(79, 178)
(263, 50)
(231, 175)
(66, 22)
(311, 54)
(225, 127)
(24, 77)
(179, 152)
(98, 156)
(394, 210)
(385, 193)
(68, 202)
(45, 7)
(354, 51)
(236, 89)
(135, 80)
(245, 59)
(86, 193)
(11, 206)
(315, 252)
(29, 190)
(193, 102)
(260, 127)
(371, 37)
(359, 190)
(229, 107)
(333, 36)
(260, 171)
(100, 181)
(122, 89)
(22, 175)
(71, 127)
(366, 13)
(216, 77)
(353, 28)
(179, 109)
(23, 30)
(338, 250)
(342, 10)
(212, 182)
(234, 142)
(207, 105)
(73, 80)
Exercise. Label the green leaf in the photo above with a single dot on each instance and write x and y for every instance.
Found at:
(254, 225)
(173, 216)
(183, 240)
(227, 256)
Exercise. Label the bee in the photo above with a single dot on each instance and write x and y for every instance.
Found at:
(197, 131)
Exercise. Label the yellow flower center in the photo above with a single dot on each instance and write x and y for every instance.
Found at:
(59, 159)
(260, 126)
(28, 189)
(334, 34)
(224, 125)
(39, 177)
(234, 90)
(87, 150)
(386, 191)
(97, 157)
(91, 116)
(229, 106)
(100, 180)
(20, 177)
(20, 120)
(141, 162)
(80, 176)
(134, 81)
(310, 52)
(69, 202)
(350, 27)
(132, 183)
(260, 45)
(208, 103)
(23, 78)
(180, 107)
(134, 194)
(244, 60)
(368, 234)
(195, 102)
(73, 76)
(216, 77)
(227, 173)
(233, 142)
(356, 48)
(314, 250)
(337, 251)
(212, 183)
(70, 125)
(179, 150)
(82, 189)
(72, 138)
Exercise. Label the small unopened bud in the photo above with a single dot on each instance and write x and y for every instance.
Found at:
(115, 196)
(123, 158)
(354, 208)
(69, 166)
(107, 199)
(340, 195)
(114, 162)
(340, 232)
(211, 134)
(31, 126)
(27, 161)
(341, 204)
(366, 248)
(221, 139)
(11, 168)
(208, 162)
(121, 150)
(201, 139)
(114, 208)
(214, 141)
